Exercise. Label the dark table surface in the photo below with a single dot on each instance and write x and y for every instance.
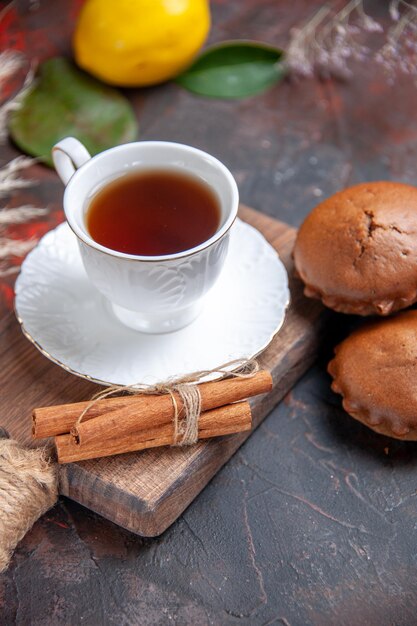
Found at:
(314, 520)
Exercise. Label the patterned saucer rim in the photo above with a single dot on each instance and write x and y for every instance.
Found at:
(106, 383)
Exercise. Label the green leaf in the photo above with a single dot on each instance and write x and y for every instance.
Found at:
(234, 69)
(65, 101)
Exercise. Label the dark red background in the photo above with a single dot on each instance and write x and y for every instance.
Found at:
(314, 519)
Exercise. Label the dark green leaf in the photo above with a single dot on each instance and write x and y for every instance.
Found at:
(234, 69)
(65, 101)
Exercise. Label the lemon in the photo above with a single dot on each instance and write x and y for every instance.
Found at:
(139, 42)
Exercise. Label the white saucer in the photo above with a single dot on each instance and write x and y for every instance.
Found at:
(72, 324)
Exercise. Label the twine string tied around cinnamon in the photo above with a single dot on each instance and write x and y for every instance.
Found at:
(185, 419)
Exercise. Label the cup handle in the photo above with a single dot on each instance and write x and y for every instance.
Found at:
(68, 155)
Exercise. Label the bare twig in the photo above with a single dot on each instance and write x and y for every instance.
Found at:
(327, 43)
(329, 39)
(400, 50)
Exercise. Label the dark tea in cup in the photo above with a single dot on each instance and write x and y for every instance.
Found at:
(153, 222)
(153, 212)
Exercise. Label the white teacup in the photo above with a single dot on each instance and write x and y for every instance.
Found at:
(148, 293)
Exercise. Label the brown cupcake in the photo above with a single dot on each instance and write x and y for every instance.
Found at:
(375, 370)
(357, 250)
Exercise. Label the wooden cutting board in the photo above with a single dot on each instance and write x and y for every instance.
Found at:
(145, 492)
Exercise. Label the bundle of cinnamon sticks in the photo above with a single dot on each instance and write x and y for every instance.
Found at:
(136, 422)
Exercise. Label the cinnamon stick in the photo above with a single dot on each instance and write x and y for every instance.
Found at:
(224, 420)
(108, 417)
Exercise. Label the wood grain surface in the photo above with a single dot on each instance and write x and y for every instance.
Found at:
(145, 492)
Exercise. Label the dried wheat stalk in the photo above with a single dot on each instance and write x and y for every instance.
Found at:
(10, 178)
(9, 175)
(10, 62)
(20, 215)
(14, 103)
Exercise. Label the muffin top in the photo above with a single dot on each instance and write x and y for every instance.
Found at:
(360, 247)
(375, 370)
